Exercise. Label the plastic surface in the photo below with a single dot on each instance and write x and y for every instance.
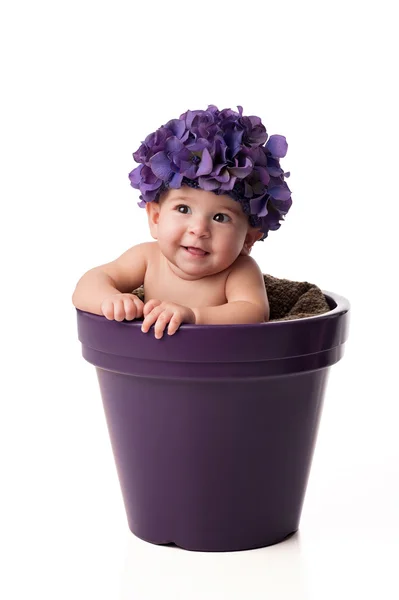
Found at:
(213, 429)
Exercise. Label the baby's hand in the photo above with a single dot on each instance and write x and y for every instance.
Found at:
(122, 306)
(162, 313)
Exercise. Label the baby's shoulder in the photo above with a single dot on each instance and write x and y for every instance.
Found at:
(146, 250)
(139, 256)
(244, 263)
(244, 270)
(147, 246)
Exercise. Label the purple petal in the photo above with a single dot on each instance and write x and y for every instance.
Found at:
(228, 186)
(184, 155)
(263, 175)
(149, 187)
(233, 139)
(206, 164)
(191, 171)
(173, 144)
(274, 171)
(220, 150)
(148, 176)
(160, 165)
(142, 203)
(176, 126)
(157, 139)
(242, 172)
(176, 180)
(208, 184)
(186, 165)
(255, 121)
(273, 167)
(190, 116)
(150, 196)
(141, 154)
(185, 136)
(259, 206)
(258, 135)
(135, 176)
(271, 221)
(248, 192)
(277, 146)
(259, 156)
(258, 188)
(223, 176)
(218, 169)
(282, 206)
(212, 109)
(198, 144)
(280, 193)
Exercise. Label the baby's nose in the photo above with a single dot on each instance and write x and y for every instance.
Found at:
(200, 227)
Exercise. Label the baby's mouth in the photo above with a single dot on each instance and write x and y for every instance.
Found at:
(195, 251)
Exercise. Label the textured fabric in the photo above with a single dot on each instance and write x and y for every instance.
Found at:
(288, 299)
(294, 299)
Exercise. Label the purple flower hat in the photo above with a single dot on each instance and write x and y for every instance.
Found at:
(220, 151)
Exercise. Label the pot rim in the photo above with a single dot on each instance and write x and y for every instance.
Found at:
(255, 342)
(339, 305)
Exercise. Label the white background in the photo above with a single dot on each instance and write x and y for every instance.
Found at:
(82, 84)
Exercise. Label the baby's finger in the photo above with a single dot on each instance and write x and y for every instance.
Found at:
(119, 309)
(107, 308)
(174, 324)
(139, 307)
(161, 323)
(130, 308)
(150, 305)
(150, 319)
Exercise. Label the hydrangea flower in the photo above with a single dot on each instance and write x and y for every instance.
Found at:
(221, 151)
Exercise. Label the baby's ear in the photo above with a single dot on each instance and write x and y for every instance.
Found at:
(152, 209)
(252, 236)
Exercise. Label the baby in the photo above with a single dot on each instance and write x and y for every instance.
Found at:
(211, 187)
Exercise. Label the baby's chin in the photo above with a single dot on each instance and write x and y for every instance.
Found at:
(191, 270)
(194, 273)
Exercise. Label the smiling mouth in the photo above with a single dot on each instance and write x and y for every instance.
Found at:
(195, 251)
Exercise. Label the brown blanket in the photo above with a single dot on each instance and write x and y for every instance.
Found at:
(288, 299)
(294, 299)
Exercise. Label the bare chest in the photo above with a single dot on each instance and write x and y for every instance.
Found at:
(166, 286)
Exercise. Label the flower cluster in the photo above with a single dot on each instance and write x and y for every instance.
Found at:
(220, 151)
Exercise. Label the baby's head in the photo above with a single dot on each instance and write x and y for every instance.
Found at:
(220, 156)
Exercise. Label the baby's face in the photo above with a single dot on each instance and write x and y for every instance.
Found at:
(199, 232)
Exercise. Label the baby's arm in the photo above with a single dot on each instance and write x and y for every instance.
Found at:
(106, 290)
(246, 297)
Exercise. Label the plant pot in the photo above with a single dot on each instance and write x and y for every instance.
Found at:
(213, 429)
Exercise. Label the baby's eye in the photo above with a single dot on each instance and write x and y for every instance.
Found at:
(183, 209)
(221, 218)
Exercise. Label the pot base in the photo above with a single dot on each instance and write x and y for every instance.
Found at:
(192, 547)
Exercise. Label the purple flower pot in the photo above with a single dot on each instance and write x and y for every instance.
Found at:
(213, 429)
